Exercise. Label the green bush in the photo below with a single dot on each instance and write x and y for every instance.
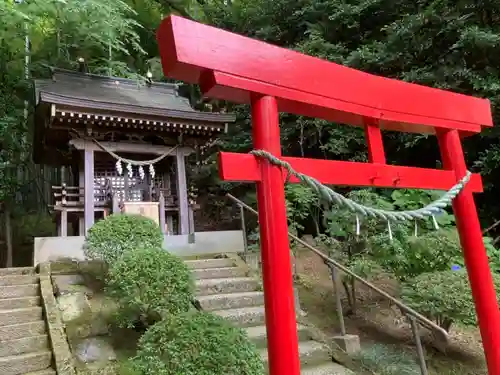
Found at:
(108, 239)
(409, 256)
(196, 343)
(443, 296)
(148, 284)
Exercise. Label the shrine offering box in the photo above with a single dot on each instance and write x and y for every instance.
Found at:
(147, 209)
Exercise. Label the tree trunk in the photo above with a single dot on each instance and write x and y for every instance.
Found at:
(8, 238)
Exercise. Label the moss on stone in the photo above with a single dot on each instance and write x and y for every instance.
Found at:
(63, 358)
(63, 266)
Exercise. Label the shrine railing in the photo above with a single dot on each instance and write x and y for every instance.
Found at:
(415, 319)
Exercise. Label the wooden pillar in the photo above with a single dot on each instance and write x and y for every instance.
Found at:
(89, 185)
(182, 193)
(191, 219)
(63, 225)
(168, 215)
(81, 184)
(161, 203)
(115, 204)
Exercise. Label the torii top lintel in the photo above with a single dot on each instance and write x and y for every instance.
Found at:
(232, 67)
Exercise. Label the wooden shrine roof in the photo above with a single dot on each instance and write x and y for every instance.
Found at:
(72, 102)
(125, 96)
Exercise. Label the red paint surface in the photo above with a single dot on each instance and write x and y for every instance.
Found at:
(217, 84)
(242, 70)
(245, 167)
(275, 250)
(373, 135)
(475, 256)
(239, 65)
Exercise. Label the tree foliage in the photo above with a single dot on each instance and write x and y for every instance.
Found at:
(436, 43)
(445, 44)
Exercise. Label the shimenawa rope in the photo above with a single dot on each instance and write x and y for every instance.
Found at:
(330, 196)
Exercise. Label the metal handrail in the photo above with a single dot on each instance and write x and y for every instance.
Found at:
(413, 315)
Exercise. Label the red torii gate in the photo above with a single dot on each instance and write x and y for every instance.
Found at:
(272, 79)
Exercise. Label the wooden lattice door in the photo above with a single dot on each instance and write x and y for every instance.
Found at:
(131, 189)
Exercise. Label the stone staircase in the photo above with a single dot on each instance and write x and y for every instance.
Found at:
(225, 289)
(24, 342)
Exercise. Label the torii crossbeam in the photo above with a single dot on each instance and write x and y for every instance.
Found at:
(272, 79)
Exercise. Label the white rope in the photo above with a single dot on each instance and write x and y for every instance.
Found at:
(136, 162)
(330, 196)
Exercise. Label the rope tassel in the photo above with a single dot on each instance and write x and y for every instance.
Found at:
(130, 171)
(358, 226)
(119, 168)
(435, 223)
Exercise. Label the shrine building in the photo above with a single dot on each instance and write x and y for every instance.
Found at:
(125, 145)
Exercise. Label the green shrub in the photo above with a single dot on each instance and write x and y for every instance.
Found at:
(196, 343)
(108, 239)
(148, 284)
(410, 256)
(443, 296)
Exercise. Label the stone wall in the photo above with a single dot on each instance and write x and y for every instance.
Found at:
(86, 314)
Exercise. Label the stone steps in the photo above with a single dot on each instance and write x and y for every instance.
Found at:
(209, 263)
(25, 363)
(18, 280)
(226, 285)
(231, 300)
(17, 271)
(258, 334)
(223, 289)
(219, 272)
(311, 353)
(24, 345)
(245, 316)
(19, 291)
(18, 316)
(19, 331)
(19, 303)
